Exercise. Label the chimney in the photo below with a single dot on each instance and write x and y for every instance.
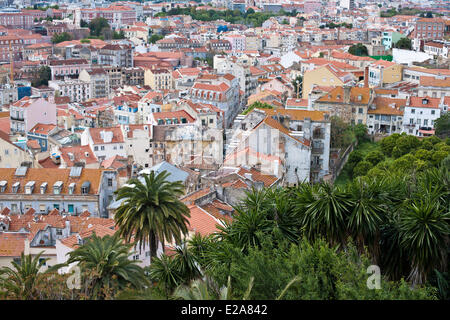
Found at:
(347, 94)
(366, 77)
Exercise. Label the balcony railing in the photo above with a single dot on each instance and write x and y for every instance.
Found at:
(17, 118)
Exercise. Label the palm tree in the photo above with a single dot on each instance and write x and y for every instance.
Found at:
(424, 232)
(151, 211)
(285, 220)
(106, 266)
(246, 229)
(369, 204)
(22, 280)
(165, 271)
(325, 212)
(186, 263)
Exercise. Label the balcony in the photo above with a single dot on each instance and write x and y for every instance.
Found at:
(17, 118)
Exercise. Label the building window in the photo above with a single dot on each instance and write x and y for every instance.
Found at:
(110, 182)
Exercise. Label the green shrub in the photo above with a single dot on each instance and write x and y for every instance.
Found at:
(375, 157)
(362, 168)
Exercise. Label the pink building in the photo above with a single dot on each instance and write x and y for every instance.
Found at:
(237, 41)
(312, 6)
(27, 112)
(67, 68)
(16, 20)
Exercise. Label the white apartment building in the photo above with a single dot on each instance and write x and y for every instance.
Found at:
(104, 142)
(420, 115)
(77, 90)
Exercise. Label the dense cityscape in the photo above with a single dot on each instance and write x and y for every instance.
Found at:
(224, 149)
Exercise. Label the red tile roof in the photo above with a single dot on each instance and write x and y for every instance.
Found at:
(424, 102)
(97, 139)
(201, 221)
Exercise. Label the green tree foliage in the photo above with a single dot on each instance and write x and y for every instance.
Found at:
(98, 25)
(358, 50)
(155, 37)
(119, 35)
(249, 18)
(23, 280)
(258, 105)
(375, 157)
(362, 168)
(41, 77)
(360, 131)
(404, 43)
(341, 133)
(84, 24)
(442, 125)
(298, 85)
(151, 211)
(107, 267)
(61, 37)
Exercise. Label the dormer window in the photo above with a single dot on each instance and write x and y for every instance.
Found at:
(85, 187)
(57, 187)
(16, 187)
(424, 101)
(3, 185)
(44, 187)
(29, 187)
(72, 188)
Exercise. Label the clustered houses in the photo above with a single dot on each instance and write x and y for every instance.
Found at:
(73, 190)
(222, 107)
(220, 91)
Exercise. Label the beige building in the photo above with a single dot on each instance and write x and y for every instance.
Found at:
(349, 103)
(12, 156)
(383, 72)
(158, 79)
(327, 76)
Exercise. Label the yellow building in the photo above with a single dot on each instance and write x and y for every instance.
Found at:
(158, 79)
(327, 76)
(383, 72)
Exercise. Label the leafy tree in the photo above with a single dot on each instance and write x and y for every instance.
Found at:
(404, 43)
(341, 134)
(374, 157)
(119, 35)
(84, 24)
(362, 168)
(98, 25)
(360, 131)
(298, 85)
(107, 266)
(41, 77)
(151, 211)
(155, 37)
(358, 50)
(442, 125)
(61, 37)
